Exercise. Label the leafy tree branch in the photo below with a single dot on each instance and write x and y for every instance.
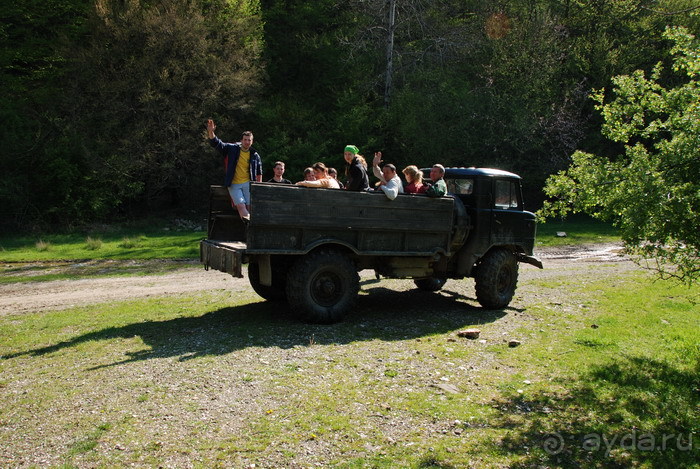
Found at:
(651, 192)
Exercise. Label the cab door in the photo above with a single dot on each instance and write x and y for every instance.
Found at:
(508, 223)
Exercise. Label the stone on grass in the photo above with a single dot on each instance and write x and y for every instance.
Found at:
(469, 333)
(450, 388)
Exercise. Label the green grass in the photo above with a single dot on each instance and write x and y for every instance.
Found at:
(145, 241)
(102, 251)
(90, 441)
(624, 366)
(93, 244)
(579, 229)
(224, 380)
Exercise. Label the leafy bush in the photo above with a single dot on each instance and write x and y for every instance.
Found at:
(93, 244)
(42, 246)
(651, 192)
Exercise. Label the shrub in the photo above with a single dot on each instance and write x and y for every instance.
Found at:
(93, 244)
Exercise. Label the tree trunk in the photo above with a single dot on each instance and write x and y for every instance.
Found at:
(390, 52)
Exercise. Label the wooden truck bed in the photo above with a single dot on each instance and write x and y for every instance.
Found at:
(292, 220)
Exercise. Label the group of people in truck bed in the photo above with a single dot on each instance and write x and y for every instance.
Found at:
(243, 165)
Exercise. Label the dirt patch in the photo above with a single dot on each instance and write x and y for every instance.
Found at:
(23, 297)
(585, 253)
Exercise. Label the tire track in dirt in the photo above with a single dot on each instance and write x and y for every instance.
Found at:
(19, 298)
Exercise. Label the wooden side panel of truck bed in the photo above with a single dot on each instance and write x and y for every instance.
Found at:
(293, 220)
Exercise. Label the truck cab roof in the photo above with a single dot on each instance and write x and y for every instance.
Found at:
(463, 173)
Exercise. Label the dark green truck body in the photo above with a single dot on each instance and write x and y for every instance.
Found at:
(296, 231)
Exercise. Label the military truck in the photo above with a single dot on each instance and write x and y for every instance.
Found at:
(306, 246)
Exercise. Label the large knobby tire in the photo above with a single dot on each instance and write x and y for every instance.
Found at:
(276, 291)
(322, 286)
(496, 278)
(430, 283)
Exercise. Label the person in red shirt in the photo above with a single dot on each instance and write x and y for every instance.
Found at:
(414, 178)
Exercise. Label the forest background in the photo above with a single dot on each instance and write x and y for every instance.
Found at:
(104, 102)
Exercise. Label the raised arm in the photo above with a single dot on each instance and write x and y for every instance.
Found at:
(375, 166)
(213, 139)
(211, 127)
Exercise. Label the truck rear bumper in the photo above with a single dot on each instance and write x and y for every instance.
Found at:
(225, 256)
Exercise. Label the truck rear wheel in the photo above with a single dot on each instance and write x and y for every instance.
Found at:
(430, 283)
(496, 278)
(322, 286)
(274, 292)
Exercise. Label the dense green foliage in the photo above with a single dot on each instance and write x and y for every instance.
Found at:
(108, 116)
(104, 101)
(652, 190)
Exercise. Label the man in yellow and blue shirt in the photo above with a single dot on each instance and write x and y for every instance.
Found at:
(243, 165)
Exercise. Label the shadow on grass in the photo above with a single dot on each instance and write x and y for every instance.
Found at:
(385, 314)
(637, 412)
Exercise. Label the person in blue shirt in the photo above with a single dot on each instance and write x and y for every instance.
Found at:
(243, 165)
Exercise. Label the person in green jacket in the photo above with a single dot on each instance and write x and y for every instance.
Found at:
(437, 188)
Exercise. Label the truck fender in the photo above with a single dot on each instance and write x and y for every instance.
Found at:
(329, 243)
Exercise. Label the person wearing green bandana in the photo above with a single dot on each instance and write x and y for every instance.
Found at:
(355, 171)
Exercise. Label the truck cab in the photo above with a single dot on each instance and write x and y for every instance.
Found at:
(493, 200)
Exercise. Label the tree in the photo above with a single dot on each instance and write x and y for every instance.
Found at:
(651, 192)
(36, 169)
(143, 83)
(298, 114)
(491, 85)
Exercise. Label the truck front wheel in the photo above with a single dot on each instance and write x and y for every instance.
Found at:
(322, 286)
(496, 278)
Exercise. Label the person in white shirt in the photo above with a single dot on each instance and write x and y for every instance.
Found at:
(389, 181)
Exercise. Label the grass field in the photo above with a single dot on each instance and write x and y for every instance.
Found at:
(578, 229)
(146, 240)
(101, 251)
(606, 375)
